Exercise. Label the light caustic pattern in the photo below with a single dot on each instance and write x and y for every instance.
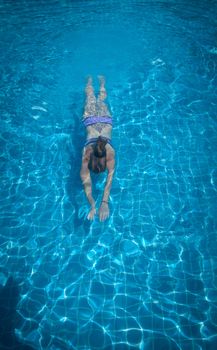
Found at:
(146, 278)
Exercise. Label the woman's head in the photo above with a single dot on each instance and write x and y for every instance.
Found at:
(97, 161)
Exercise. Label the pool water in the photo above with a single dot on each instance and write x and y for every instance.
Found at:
(145, 278)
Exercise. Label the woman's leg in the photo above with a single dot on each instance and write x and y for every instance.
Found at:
(102, 108)
(90, 108)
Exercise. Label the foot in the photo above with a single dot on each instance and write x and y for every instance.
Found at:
(89, 80)
(89, 86)
(102, 90)
(101, 80)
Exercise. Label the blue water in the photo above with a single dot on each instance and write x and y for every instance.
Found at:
(146, 278)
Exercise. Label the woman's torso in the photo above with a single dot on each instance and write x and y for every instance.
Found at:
(99, 129)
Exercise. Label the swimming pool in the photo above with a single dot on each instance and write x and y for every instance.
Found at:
(146, 278)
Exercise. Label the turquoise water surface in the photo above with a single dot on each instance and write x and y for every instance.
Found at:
(146, 278)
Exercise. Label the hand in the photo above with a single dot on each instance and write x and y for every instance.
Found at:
(91, 214)
(103, 211)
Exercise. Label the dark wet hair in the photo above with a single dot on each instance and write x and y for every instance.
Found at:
(97, 162)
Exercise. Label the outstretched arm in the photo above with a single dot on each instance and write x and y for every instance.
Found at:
(104, 207)
(86, 180)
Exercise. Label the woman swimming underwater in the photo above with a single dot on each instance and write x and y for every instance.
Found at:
(98, 153)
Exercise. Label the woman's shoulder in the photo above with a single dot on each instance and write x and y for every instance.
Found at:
(87, 150)
(110, 150)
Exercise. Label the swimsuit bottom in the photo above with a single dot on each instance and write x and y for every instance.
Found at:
(94, 139)
(95, 119)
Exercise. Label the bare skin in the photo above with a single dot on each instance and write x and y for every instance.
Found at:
(97, 107)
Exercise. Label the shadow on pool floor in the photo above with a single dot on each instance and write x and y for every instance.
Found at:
(9, 297)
